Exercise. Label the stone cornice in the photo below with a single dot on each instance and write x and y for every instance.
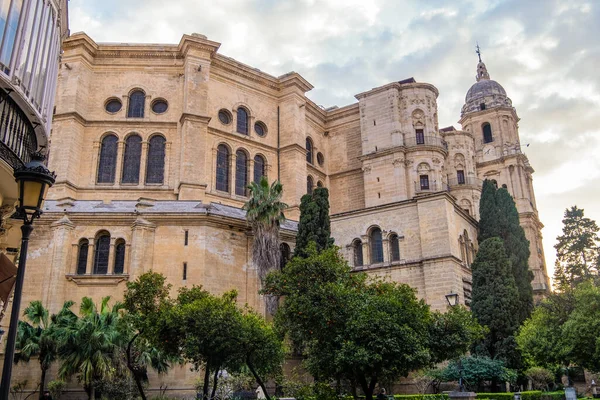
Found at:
(492, 111)
(195, 118)
(97, 280)
(189, 42)
(74, 115)
(398, 86)
(341, 174)
(350, 110)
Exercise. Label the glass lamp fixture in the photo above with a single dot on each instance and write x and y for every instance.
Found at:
(34, 180)
(452, 299)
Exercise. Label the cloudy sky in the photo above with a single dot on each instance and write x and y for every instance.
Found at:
(546, 54)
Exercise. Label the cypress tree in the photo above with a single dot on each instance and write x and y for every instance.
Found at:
(495, 302)
(489, 213)
(314, 224)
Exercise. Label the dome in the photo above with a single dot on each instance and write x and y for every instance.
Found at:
(485, 93)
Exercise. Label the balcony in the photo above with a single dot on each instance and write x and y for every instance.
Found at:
(431, 187)
(455, 183)
(426, 141)
(17, 136)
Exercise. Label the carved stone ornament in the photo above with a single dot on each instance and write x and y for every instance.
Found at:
(398, 161)
(436, 161)
(408, 163)
(366, 169)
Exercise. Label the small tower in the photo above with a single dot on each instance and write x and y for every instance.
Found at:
(489, 116)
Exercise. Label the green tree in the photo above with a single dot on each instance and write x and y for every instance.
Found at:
(452, 333)
(577, 250)
(146, 301)
(499, 218)
(495, 302)
(314, 225)
(475, 371)
(35, 337)
(89, 346)
(349, 327)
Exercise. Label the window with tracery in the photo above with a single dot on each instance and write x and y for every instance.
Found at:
(309, 151)
(119, 256)
(259, 168)
(223, 168)
(82, 256)
(131, 159)
(376, 246)
(137, 101)
(242, 121)
(241, 173)
(107, 164)
(102, 250)
(394, 248)
(358, 253)
(155, 164)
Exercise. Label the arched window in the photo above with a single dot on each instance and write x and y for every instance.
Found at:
(394, 248)
(108, 160)
(487, 133)
(309, 151)
(259, 168)
(131, 159)
(137, 101)
(309, 185)
(242, 120)
(223, 168)
(284, 255)
(358, 253)
(119, 256)
(155, 164)
(319, 184)
(241, 173)
(376, 246)
(101, 256)
(82, 256)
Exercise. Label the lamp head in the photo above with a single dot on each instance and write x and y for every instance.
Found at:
(34, 179)
(452, 299)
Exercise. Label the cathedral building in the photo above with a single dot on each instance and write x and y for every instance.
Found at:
(154, 146)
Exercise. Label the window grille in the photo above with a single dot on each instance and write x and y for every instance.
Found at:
(155, 165)
(358, 253)
(487, 133)
(223, 168)
(119, 257)
(259, 168)
(242, 121)
(424, 180)
(309, 151)
(101, 256)
(131, 159)
(108, 160)
(82, 257)
(241, 173)
(394, 248)
(420, 135)
(376, 246)
(137, 101)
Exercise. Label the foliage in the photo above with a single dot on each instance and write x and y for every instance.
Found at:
(265, 214)
(117, 387)
(564, 329)
(540, 378)
(18, 390)
(553, 395)
(89, 345)
(146, 301)
(421, 397)
(351, 328)
(314, 225)
(577, 251)
(499, 218)
(475, 372)
(495, 302)
(528, 395)
(56, 388)
(36, 337)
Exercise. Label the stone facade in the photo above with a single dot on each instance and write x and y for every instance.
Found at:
(404, 193)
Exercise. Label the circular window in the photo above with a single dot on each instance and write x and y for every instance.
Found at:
(113, 105)
(320, 159)
(260, 129)
(159, 106)
(224, 117)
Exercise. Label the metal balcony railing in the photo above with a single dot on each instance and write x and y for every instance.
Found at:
(17, 136)
(432, 187)
(433, 141)
(455, 182)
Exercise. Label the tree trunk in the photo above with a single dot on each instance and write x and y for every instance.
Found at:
(43, 382)
(258, 380)
(368, 389)
(353, 388)
(92, 393)
(206, 379)
(131, 366)
(215, 380)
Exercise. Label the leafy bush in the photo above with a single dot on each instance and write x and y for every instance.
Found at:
(553, 395)
(422, 397)
(541, 378)
(56, 388)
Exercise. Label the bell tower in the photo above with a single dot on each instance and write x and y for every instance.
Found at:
(489, 116)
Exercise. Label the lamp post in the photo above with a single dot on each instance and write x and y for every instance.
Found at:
(452, 299)
(33, 180)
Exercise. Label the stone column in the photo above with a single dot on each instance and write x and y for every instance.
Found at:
(387, 259)
(111, 257)
(94, 166)
(142, 246)
(90, 258)
(74, 257)
(59, 263)
(119, 166)
(143, 162)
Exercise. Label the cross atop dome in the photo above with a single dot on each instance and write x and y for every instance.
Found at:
(481, 68)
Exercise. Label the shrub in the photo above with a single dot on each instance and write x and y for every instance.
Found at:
(553, 395)
(56, 388)
(541, 378)
(422, 397)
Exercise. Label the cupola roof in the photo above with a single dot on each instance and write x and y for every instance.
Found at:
(485, 93)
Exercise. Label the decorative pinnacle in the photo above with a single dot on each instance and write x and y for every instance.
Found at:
(478, 51)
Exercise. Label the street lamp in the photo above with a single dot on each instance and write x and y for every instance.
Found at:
(34, 180)
(452, 299)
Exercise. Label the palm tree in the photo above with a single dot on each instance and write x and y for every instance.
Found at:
(265, 214)
(35, 337)
(89, 347)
